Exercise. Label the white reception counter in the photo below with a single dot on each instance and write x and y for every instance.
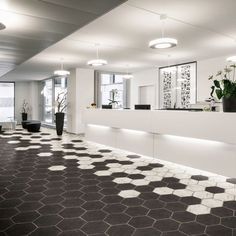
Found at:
(204, 140)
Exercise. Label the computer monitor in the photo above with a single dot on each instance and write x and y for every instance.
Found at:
(142, 107)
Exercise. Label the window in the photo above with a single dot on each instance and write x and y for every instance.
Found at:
(51, 89)
(7, 101)
(111, 87)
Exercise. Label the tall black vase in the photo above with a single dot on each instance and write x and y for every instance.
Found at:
(24, 116)
(229, 104)
(59, 122)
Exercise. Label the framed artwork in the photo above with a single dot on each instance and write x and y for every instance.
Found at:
(177, 85)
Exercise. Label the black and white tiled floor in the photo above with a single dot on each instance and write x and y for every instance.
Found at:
(51, 186)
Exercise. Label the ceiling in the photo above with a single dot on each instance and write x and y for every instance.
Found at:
(203, 29)
(32, 26)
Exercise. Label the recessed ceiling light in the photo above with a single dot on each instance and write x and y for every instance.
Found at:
(97, 61)
(231, 59)
(2, 26)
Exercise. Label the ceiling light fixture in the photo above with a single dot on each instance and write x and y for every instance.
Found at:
(163, 42)
(97, 62)
(2, 26)
(128, 75)
(231, 59)
(61, 72)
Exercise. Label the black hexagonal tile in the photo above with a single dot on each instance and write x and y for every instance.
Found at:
(218, 230)
(51, 230)
(48, 220)
(115, 208)
(117, 218)
(199, 177)
(222, 212)
(95, 227)
(215, 189)
(192, 228)
(71, 224)
(50, 209)
(141, 221)
(96, 215)
(208, 219)
(72, 212)
(183, 216)
(159, 214)
(20, 229)
(166, 225)
(137, 211)
(147, 232)
(229, 222)
(26, 217)
(117, 230)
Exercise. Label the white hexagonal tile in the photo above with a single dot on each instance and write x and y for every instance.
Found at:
(225, 185)
(183, 193)
(21, 148)
(188, 181)
(203, 194)
(198, 209)
(57, 168)
(224, 196)
(212, 203)
(112, 165)
(86, 167)
(231, 191)
(35, 146)
(140, 182)
(70, 157)
(103, 173)
(148, 173)
(195, 188)
(152, 178)
(122, 180)
(13, 142)
(207, 183)
(129, 193)
(131, 171)
(163, 191)
(44, 154)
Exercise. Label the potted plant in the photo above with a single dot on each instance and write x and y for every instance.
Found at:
(113, 94)
(61, 103)
(25, 109)
(224, 86)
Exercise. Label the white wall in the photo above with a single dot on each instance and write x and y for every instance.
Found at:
(205, 68)
(80, 96)
(30, 92)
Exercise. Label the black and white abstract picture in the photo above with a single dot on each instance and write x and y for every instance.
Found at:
(178, 85)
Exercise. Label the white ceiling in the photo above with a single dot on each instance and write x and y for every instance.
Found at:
(204, 29)
(33, 25)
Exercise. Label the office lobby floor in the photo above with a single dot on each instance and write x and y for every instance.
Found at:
(51, 186)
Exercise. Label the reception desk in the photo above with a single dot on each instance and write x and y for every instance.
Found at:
(202, 140)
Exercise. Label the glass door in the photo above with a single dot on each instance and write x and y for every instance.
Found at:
(47, 101)
(7, 101)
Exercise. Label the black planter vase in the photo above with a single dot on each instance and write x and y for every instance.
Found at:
(24, 116)
(229, 104)
(59, 122)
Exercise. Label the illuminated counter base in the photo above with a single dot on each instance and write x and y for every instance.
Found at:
(200, 140)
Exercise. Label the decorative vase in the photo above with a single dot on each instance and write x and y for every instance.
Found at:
(24, 116)
(59, 122)
(114, 105)
(229, 104)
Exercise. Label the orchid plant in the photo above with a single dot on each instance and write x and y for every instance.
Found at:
(224, 84)
(25, 107)
(114, 93)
